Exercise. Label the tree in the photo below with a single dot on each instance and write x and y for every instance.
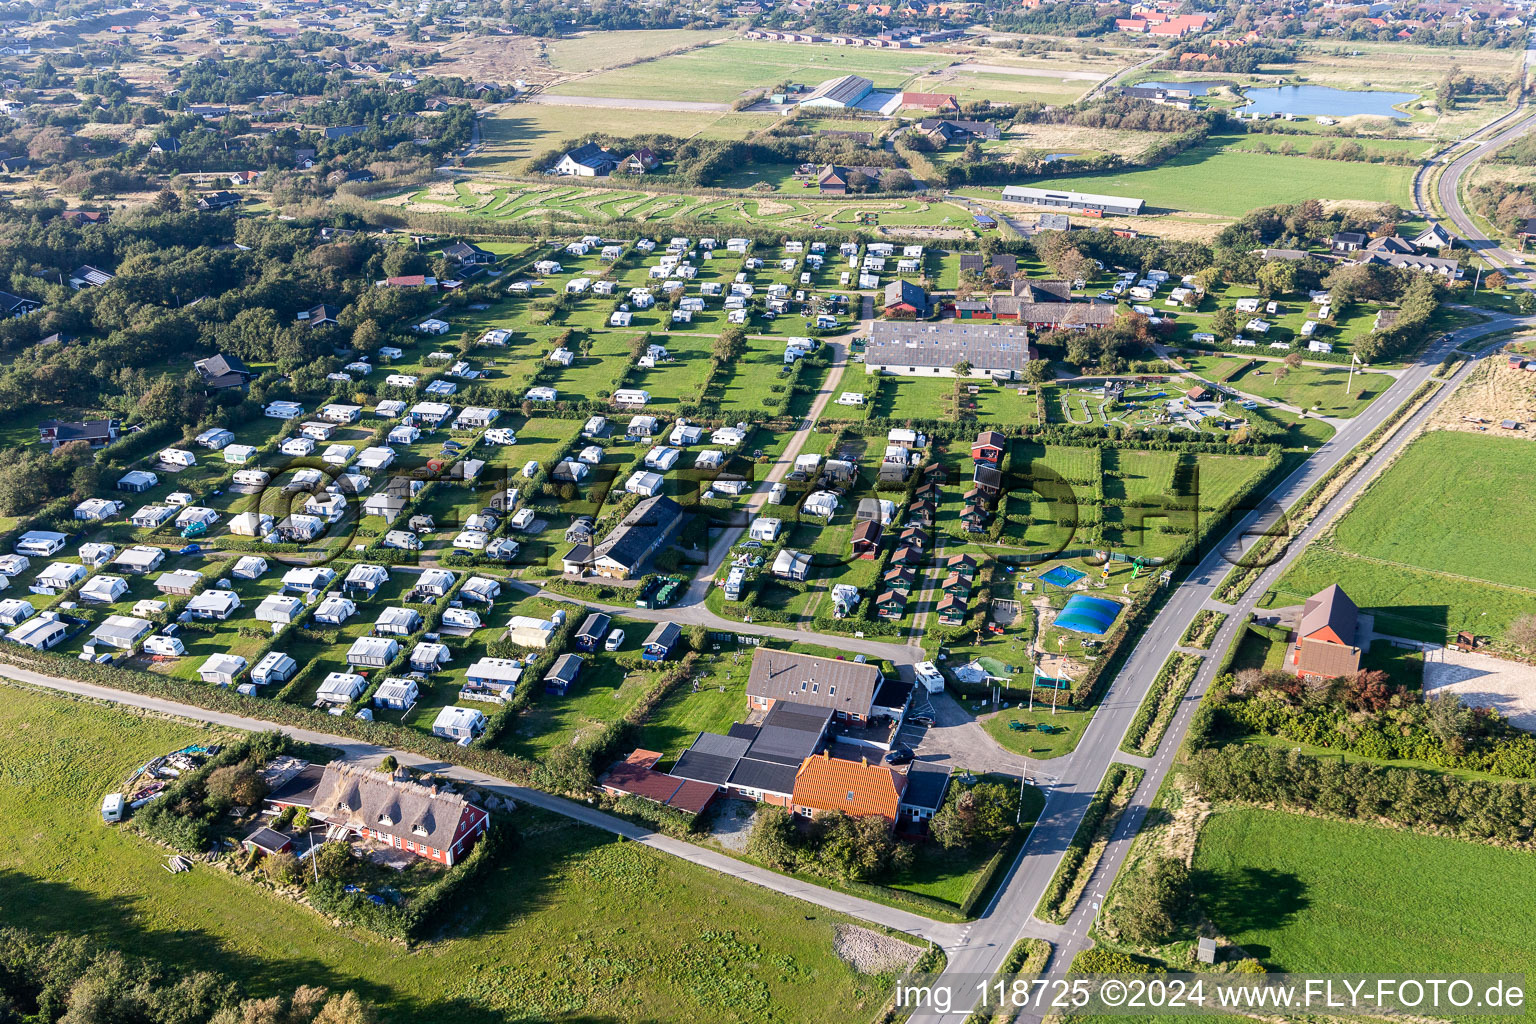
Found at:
(1224, 323)
(896, 181)
(1278, 277)
(236, 784)
(774, 839)
(1037, 371)
(984, 813)
(389, 764)
(962, 368)
(1292, 360)
(347, 1008)
(1495, 280)
(858, 181)
(1152, 901)
(859, 849)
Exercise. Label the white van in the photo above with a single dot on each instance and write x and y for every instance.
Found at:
(112, 808)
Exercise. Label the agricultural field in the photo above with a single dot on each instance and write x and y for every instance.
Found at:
(724, 72)
(1428, 551)
(566, 931)
(1216, 180)
(1303, 893)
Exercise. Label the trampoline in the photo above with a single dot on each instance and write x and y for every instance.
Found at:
(1084, 614)
(1062, 576)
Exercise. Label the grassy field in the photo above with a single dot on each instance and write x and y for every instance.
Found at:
(722, 73)
(1427, 549)
(588, 51)
(1304, 894)
(1215, 179)
(519, 130)
(567, 930)
(1325, 391)
(1452, 502)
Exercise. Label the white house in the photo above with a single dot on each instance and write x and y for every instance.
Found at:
(140, 559)
(275, 667)
(662, 458)
(103, 589)
(397, 622)
(340, 688)
(373, 651)
(279, 608)
(214, 604)
(222, 669)
(396, 694)
(461, 725)
(644, 484)
(334, 610)
(249, 567)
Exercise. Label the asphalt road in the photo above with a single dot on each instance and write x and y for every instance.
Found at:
(1010, 917)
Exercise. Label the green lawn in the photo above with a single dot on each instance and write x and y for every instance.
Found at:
(1305, 894)
(1452, 502)
(722, 73)
(568, 929)
(1215, 179)
(1427, 548)
(1325, 391)
(1067, 728)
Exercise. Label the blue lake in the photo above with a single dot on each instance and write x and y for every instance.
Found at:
(1320, 100)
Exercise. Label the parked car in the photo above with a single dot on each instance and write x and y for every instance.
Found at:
(899, 756)
(614, 641)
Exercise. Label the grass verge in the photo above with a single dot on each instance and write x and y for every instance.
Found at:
(1087, 846)
(1157, 707)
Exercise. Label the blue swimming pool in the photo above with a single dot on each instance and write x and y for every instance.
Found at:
(1062, 576)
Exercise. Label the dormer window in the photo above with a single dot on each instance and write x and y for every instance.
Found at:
(419, 830)
(385, 819)
(832, 691)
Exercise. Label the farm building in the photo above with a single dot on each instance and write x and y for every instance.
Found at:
(1076, 202)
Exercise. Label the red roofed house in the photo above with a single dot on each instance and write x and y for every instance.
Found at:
(989, 447)
(639, 162)
(424, 820)
(636, 775)
(866, 539)
(930, 101)
(825, 784)
(1325, 636)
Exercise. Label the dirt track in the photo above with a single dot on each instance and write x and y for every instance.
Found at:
(627, 104)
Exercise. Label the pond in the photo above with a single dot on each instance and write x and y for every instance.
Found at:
(1051, 157)
(1315, 100)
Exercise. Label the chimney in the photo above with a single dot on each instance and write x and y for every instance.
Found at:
(865, 759)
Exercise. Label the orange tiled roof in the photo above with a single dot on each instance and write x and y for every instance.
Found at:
(826, 783)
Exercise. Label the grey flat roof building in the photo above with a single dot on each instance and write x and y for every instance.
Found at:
(914, 348)
(1063, 200)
